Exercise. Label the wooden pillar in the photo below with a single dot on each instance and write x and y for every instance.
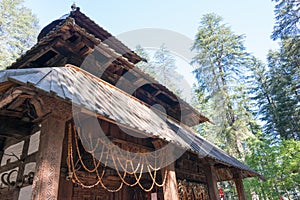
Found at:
(170, 188)
(125, 191)
(65, 191)
(211, 180)
(46, 179)
(1, 150)
(240, 188)
(239, 184)
(65, 188)
(20, 175)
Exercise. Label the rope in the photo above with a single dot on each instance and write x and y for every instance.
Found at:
(130, 165)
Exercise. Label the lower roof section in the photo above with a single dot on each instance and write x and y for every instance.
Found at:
(88, 92)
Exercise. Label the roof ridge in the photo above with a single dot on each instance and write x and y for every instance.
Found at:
(78, 12)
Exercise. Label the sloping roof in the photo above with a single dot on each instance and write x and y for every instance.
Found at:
(92, 28)
(77, 86)
(190, 116)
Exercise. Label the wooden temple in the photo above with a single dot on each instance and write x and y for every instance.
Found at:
(70, 130)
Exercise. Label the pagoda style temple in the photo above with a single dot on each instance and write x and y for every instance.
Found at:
(78, 121)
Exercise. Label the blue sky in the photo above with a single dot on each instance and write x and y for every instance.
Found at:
(253, 18)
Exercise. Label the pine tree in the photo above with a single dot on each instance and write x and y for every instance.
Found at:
(165, 69)
(147, 65)
(263, 105)
(284, 83)
(284, 76)
(287, 14)
(162, 67)
(276, 91)
(18, 30)
(221, 62)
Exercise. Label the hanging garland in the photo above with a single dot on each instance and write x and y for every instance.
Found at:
(123, 162)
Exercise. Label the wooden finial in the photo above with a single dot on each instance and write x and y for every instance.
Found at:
(73, 6)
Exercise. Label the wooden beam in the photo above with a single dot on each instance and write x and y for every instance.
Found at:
(21, 170)
(14, 127)
(12, 165)
(16, 103)
(239, 184)
(5, 86)
(34, 54)
(13, 93)
(211, 179)
(190, 176)
(11, 113)
(2, 143)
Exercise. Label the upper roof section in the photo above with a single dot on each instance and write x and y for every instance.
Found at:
(92, 28)
(76, 39)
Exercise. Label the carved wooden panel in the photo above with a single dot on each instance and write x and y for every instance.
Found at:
(192, 191)
(46, 180)
(6, 194)
(97, 193)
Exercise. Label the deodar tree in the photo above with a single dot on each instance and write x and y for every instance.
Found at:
(162, 67)
(277, 94)
(221, 64)
(283, 77)
(18, 30)
(287, 13)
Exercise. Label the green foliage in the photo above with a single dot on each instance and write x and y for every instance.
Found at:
(232, 86)
(145, 66)
(284, 74)
(287, 14)
(276, 87)
(284, 86)
(221, 63)
(280, 165)
(162, 67)
(18, 30)
(276, 92)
